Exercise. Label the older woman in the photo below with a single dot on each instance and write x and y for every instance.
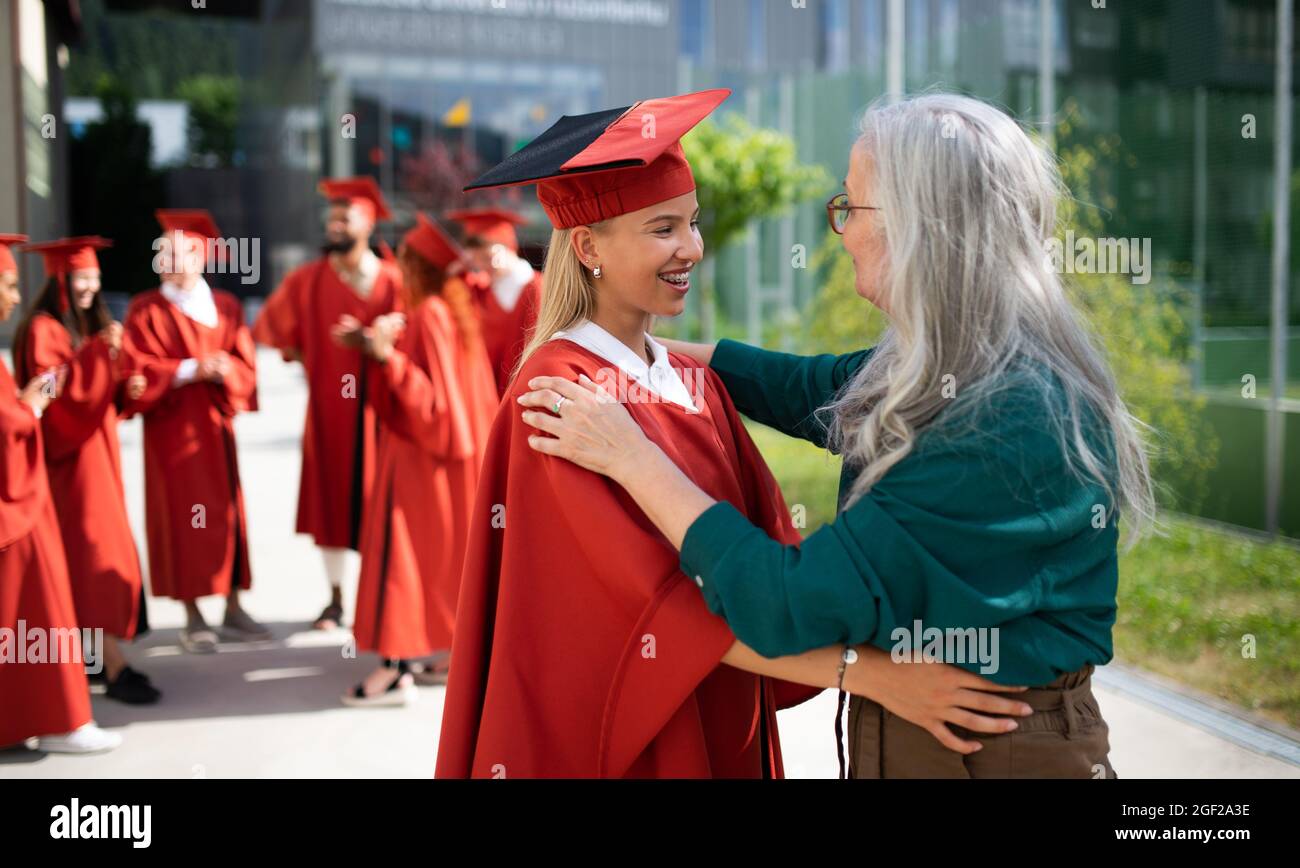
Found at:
(987, 456)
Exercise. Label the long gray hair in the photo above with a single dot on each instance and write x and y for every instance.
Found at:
(967, 202)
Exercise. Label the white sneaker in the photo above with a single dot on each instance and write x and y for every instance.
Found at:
(85, 739)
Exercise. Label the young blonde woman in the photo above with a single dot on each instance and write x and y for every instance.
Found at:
(987, 457)
(581, 648)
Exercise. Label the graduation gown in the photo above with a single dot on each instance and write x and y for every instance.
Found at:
(506, 331)
(340, 434)
(189, 446)
(436, 398)
(38, 698)
(581, 650)
(84, 463)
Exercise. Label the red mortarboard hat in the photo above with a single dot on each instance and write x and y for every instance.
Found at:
(65, 255)
(431, 242)
(492, 224)
(194, 223)
(69, 254)
(362, 192)
(593, 167)
(7, 262)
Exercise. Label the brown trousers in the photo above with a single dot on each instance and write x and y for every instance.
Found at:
(1066, 737)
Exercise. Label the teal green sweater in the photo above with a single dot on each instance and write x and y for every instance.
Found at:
(982, 525)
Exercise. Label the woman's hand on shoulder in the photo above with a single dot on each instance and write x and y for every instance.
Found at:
(584, 424)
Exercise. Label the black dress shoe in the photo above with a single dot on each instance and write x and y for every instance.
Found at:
(135, 675)
(133, 688)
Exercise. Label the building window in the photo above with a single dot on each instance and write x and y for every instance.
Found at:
(1097, 29)
(1151, 34)
(697, 30)
(1250, 32)
(757, 34)
(835, 35)
(948, 26)
(918, 40)
(1024, 25)
(873, 35)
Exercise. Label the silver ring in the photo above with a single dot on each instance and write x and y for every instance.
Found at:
(558, 405)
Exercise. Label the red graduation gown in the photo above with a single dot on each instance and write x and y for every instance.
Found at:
(189, 446)
(436, 398)
(506, 331)
(84, 463)
(581, 649)
(340, 434)
(35, 698)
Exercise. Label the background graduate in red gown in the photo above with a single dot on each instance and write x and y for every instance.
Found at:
(47, 700)
(507, 290)
(199, 361)
(436, 397)
(581, 650)
(69, 325)
(340, 432)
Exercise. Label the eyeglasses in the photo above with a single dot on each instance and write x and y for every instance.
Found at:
(838, 209)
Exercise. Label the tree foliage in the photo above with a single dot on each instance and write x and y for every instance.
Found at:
(743, 173)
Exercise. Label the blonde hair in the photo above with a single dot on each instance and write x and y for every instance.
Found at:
(569, 295)
(967, 201)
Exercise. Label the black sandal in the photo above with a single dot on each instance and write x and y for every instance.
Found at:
(396, 694)
(332, 613)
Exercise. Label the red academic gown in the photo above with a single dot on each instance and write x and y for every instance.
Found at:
(189, 446)
(341, 430)
(436, 398)
(85, 472)
(581, 649)
(506, 331)
(38, 698)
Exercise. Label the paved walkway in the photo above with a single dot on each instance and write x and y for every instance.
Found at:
(272, 710)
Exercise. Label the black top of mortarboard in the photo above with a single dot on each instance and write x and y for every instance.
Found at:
(543, 156)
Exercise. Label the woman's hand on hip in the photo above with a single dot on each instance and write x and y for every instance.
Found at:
(933, 695)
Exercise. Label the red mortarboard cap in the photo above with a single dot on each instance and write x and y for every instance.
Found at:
(431, 242)
(69, 254)
(66, 255)
(593, 167)
(7, 262)
(492, 224)
(195, 222)
(362, 192)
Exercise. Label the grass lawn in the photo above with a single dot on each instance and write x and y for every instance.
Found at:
(1187, 598)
